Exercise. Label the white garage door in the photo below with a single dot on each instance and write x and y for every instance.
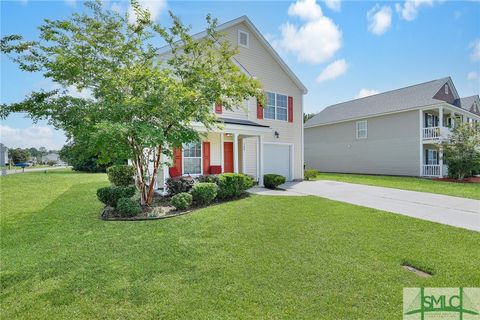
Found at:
(277, 159)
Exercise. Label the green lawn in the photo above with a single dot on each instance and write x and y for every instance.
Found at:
(260, 257)
(465, 190)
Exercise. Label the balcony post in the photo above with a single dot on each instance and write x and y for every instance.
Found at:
(440, 116)
(440, 161)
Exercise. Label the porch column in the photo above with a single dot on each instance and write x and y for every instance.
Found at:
(440, 116)
(260, 160)
(235, 152)
(221, 152)
(440, 160)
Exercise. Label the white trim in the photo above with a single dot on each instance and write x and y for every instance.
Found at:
(275, 93)
(230, 128)
(262, 40)
(292, 155)
(420, 135)
(222, 159)
(235, 152)
(201, 161)
(357, 130)
(240, 31)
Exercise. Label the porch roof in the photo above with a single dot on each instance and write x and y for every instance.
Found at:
(241, 122)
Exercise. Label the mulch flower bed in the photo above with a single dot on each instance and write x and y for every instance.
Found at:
(466, 180)
(159, 209)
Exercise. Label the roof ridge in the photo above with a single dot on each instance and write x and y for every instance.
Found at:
(380, 93)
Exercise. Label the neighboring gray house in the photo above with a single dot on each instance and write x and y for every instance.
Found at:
(3, 154)
(398, 132)
(53, 157)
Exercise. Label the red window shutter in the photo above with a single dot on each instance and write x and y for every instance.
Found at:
(259, 110)
(218, 108)
(206, 157)
(290, 109)
(177, 159)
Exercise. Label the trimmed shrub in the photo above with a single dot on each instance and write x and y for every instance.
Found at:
(182, 200)
(310, 174)
(208, 178)
(127, 207)
(121, 175)
(272, 181)
(233, 185)
(179, 184)
(204, 192)
(110, 195)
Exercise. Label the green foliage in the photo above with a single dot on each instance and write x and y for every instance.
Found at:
(233, 185)
(208, 178)
(204, 192)
(310, 174)
(272, 181)
(135, 100)
(19, 155)
(128, 207)
(181, 201)
(462, 151)
(179, 184)
(82, 156)
(110, 195)
(121, 175)
(51, 163)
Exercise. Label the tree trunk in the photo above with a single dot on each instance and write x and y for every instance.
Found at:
(156, 164)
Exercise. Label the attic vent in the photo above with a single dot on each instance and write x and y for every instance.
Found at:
(243, 38)
(446, 89)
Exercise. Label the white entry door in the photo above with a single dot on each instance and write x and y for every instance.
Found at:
(277, 159)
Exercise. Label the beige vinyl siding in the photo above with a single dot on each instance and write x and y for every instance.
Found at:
(392, 146)
(260, 64)
(249, 152)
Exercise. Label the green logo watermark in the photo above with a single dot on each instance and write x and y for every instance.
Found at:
(441, 303)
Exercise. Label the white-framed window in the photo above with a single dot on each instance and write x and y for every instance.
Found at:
(361, 127)
(446, 89)
(192, 158)
(431, 157)
(243, 39)
(277, 107)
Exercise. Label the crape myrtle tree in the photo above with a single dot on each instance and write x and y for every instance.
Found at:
(141, 101)
(462, 151)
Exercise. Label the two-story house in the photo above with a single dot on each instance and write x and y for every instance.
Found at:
(254, 140)
(397, 132)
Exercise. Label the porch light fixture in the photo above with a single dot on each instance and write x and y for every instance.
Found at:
(228, 134)
(277, 135)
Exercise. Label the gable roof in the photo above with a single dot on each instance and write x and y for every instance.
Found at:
(471, 104)
(391, 101)
(263, 41)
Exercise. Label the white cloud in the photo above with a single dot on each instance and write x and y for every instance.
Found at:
(155, 7)
(35, 136)
(365, 93)
(334, 5)
(305, 9)
(409, 9)
(333, 70)
(71, 3)
(475, 46)
(472, 75)
(379, 19)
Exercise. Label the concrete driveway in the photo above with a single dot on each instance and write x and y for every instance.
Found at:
(453, 211)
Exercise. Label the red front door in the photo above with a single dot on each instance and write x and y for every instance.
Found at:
(228, 157)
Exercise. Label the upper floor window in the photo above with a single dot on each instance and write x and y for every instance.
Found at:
(361, 129)
(243, 38)
(276, 108)
(446, 89)
(192, 158)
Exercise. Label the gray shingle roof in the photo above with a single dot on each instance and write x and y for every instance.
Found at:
(467, 103)
(391, 101)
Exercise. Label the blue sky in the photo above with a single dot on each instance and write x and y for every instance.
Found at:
(354, 48)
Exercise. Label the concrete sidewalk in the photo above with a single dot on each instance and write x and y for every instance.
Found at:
(453, 211)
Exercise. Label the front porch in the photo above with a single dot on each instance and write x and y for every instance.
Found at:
(433, 165)
(437, 122)
(236, 148)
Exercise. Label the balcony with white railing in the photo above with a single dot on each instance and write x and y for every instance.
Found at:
(431, 170)
(435, 133)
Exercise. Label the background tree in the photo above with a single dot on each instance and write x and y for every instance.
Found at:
(19, 155)
(307, 116)
(141, 105)
(462, 151)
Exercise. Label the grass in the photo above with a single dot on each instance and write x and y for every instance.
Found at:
(260, 257)
(464, 190)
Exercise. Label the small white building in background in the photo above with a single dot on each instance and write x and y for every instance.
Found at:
(53, 157)
(3, 154)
